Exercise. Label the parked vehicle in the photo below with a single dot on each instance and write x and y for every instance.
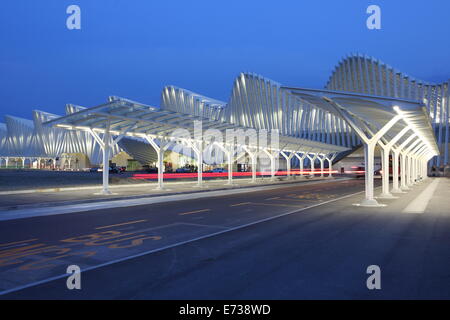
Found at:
(150, 169)
(218, 170)
(111, 170)
(114, 170)
(359, 172)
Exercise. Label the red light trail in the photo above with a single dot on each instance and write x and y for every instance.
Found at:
(225, 174)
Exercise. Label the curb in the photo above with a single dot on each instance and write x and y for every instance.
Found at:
(136, 197)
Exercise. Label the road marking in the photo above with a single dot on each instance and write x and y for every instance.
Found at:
(192, 212)
(274, 205)
(240, 204)
(120, 224)
(177, 244)
(305, 201)
(203, 225)
(274, 198)
(420, 203)
(17, 242)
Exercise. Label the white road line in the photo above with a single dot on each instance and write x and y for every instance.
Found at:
(421, 202)
(33, 284)
(120, 224)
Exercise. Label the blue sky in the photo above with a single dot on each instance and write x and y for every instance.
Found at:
(134, 48)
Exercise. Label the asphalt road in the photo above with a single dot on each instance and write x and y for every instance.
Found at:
(295, 242)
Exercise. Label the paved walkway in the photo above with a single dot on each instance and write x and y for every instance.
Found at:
(77, 195)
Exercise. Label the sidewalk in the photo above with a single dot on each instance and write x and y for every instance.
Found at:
(89, 195)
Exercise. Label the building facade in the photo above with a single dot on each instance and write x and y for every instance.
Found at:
(255, 102)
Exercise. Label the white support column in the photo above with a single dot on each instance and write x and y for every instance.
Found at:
(200, 165)
(403, 172)
(312, 160)
(413, 171)
(414, 155)
(198, 149)
(330, 164)
(106, 150)
(291, 155)
(395, 171)
(272, 166)
(369, 150)
(106, 144)
(301, 159)
(419, 169)
(271, 156)
(400, 151)
(322, 164)
(409, 163)
(7, 162)
(421, 163)
(229, 151)
(420, 160)
(288, 162)
(230, 160)
(410, 170)
(160, 153)
(385, 152)
(385, 194)
(416, 170)
(254, 160)
(160, 168)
